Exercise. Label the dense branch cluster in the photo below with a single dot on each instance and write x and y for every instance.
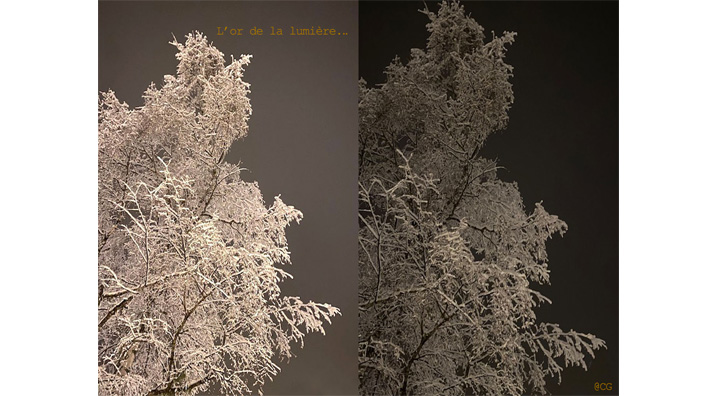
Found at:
(189, 255)
(448, 253)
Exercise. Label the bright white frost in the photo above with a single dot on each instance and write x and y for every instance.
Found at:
(189, 256)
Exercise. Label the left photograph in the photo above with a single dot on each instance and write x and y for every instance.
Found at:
(227, 179)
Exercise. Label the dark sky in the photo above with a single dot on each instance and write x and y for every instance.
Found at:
(302, 143)
(561, 145)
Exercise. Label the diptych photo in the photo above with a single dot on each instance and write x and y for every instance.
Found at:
(357, 198)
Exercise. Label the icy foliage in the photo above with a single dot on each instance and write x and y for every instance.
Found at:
(189, 255)
(448, 253)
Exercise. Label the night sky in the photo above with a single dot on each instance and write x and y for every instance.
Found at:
(302, 144)
(561, 145)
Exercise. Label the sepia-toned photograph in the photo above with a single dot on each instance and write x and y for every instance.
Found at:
(488, 182)
(437, 181)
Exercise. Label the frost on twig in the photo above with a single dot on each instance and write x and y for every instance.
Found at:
(449, 255)
(189, 256)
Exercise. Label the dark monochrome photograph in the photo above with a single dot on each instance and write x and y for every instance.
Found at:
(227, 187)
(488, 198)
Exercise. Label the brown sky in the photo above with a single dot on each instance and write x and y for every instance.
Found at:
(302, 143)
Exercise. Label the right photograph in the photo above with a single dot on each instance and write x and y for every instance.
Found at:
(488, 198)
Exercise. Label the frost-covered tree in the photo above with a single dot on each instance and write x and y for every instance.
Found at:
(189, 256)
(449, 256)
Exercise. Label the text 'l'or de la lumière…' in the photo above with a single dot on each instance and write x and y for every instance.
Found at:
(275, 31)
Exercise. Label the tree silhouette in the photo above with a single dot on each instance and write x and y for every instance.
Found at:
(189, 256)
(448, 253)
